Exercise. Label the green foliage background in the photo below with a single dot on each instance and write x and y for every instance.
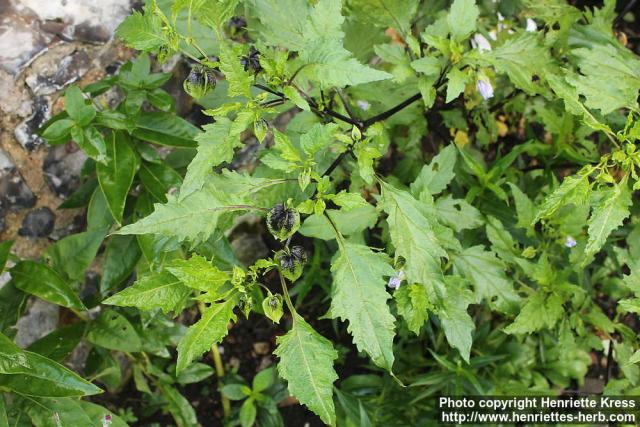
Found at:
(462, 175)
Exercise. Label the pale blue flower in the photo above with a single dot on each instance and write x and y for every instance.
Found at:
(481, 43)
(531, 25)
(363, 105)
(570, 242)
(396, 281)
(485, 88)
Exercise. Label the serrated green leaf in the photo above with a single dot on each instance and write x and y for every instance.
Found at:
(113, 331)
(462, 18)
(72, 255)
(239, 80)
(574, 189)
(198, 273)
(413, 305)
(457, 80)
(538, 311)
(142, 32)
(457, 324)
(458, 214)
(347, 222)
(215, 146)
(412, 234)
(487, 274)
(43, 282)
(194, 218)
(607, 215)
(116, 176)
(435, 176)
(521, 58)
(359, 297)
(315, 33)
(155, 290)
(207, 331)
(306, 363)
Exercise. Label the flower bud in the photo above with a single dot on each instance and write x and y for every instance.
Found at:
(282, 222)
(291, 262)
(199, 82)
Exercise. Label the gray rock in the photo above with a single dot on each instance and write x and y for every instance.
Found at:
(26, 132)
(249, 247)
(84, 20)
(14, 192)
(21, 40)
(41, 319)
(57, 70)
(38, 223)
(62, 168)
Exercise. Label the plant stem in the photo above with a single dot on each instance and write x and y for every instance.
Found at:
(287, 298)
(217, 362)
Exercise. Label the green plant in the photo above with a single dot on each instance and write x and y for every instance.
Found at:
(461, 210)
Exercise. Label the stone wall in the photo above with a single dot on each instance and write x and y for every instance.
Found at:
(44, 47)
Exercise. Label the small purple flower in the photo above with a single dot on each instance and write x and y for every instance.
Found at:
(485, 88)
(106, 420)
(570, 242)
(395, 281)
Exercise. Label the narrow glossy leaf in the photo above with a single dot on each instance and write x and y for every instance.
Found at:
(73, 254)
(12, 304)
(113, 331)
(12, 358)
(248, 413)
(58, 344)
(306, 363)
(46, 378)
(159, 179)
(207, 331)
(98, 215)
(156, 290)
(57, 412)
(98, 415)
(75, 105)
(45, 283)
(116, 176)
(180, 408)
(120, 258)
(198, 273)
(165, 129)
(359, 297)
(4, 422)
(5, 250)
(195, 373)
(58, 129)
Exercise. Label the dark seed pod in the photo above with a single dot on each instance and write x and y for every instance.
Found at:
(292, 262)
(251, 61)
(236, 27)
(282, 222)
(199, 82)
